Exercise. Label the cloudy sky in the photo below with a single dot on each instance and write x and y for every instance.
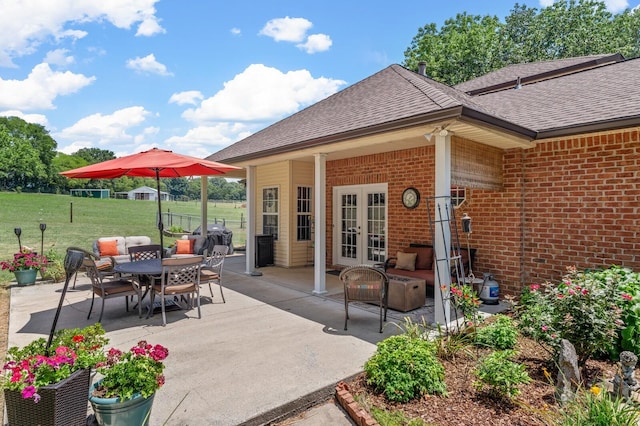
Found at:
(195, 76)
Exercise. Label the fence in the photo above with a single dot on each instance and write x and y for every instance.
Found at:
(189, 222)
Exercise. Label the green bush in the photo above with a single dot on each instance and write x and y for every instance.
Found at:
(500, 334)
(500, 374)
(627, 283)
(582, 309)
(405, 368)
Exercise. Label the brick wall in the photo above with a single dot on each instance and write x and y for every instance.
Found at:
(573, 201)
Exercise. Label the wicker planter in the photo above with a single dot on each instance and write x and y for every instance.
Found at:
(62, 404)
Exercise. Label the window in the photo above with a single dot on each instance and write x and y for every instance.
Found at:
(303, 220)
(270, 212)
(458, 195)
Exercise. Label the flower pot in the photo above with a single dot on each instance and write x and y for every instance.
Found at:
(113, 412)
(61, 404)
(26, 276)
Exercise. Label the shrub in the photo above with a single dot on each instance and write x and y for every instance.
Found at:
(627, 283)
(581, 309)
(500, 334)
(500, 374)
(405, 368)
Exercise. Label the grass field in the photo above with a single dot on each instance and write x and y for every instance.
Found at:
(75, 221)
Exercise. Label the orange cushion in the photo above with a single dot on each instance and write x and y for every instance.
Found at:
(184, 246)
(108, 248)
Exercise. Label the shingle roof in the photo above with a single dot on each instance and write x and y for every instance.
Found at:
(532, 71)
(589, 94)
(388, 96)
(593, 96)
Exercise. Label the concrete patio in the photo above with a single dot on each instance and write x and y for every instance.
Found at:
(272, 348)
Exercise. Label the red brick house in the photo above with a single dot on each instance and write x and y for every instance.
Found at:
(545, 158)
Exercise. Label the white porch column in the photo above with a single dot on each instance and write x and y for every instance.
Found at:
(442, 234)
(320, 223)
(204, 199)
(250, 253)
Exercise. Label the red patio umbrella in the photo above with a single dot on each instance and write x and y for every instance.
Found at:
(153, 163)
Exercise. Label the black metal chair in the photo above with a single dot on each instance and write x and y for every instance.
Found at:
(364, 283)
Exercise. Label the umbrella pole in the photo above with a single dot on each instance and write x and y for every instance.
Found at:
(72, 262)
(160, 224)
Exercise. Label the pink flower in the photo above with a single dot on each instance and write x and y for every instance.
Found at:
(545, 328)
(28, 392)
(571, 292)
(585, 291)
(534, 287)
(626, 296)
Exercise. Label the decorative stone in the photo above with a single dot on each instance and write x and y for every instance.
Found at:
(623, 386)
(568, 379)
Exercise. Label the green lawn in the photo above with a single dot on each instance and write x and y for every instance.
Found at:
(74, 221)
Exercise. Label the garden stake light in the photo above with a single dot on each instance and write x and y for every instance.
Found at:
(18, 231)
(43, 226)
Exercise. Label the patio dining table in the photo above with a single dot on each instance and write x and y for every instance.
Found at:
(151, 268)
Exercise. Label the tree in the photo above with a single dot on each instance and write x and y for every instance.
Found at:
(470, 46)
(95, 155)
(465, 47)
(26, 154)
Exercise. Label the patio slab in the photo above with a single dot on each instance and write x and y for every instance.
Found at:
(269, 345)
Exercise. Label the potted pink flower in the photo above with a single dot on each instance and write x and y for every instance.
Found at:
(128, 384)
(50, 386)
(25, 266)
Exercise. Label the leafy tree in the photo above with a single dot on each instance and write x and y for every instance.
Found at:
(95, 155)
(465, 47)
(26, 154)
(470, 46)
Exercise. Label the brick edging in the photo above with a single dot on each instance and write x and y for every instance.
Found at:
(359, 415)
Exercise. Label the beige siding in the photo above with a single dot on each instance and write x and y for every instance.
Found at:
(301, 175)
(268, 176)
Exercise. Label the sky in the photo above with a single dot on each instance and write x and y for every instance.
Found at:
(195, 76)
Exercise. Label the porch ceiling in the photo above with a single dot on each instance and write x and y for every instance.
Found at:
(404, 138)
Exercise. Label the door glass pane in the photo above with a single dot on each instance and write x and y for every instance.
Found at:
(349, 225)
(376, 223)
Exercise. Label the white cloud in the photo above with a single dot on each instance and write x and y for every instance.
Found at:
(40, 88)
(287, 29)
(29, 118)
(316, 43)
(613, 6)
(98, 129)
(26, 25)
(203, 140)
(262, 93)
(236, 31)
(148, 65)
(190, 97)
(59, 57)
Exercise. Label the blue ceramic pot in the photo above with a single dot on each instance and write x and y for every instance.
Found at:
(113, 412)
(26, 277)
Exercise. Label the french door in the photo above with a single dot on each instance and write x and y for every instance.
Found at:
(360, 224)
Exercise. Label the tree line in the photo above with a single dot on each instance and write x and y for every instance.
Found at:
(469, 46)
(466, 47)
(29, 162)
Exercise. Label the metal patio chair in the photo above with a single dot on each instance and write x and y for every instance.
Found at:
(364, 283)
(211, 270)
(109, 288)
(180, 277)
